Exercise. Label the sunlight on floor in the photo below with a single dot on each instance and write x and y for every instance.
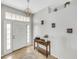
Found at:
(10, 57)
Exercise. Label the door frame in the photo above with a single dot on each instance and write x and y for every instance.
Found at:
(11, 22)
(5, 37)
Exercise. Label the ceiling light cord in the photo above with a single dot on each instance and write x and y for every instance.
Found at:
(28, 3)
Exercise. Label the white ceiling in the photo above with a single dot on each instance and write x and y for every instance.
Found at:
(35, 5)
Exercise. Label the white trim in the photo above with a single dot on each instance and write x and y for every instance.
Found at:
(55, 55)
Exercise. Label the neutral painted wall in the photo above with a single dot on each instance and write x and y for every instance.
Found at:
(63, 44)
(5, 8)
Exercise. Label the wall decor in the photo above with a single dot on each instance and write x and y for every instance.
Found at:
(42, 22)
(66, 4)
(53, 25)
(55, 10)
(69, 30)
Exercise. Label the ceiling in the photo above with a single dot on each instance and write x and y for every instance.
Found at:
(35, 5)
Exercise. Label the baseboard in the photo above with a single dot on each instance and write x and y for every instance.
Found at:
(23, 47)
(2, 55)
(54, 55)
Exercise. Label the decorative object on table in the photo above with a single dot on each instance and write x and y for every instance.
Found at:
(69, 30)
(37, 37)
(67, 4)
(53, 25)
(46, 36)
(42, 22)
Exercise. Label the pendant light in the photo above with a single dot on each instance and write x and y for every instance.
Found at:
(28, 10)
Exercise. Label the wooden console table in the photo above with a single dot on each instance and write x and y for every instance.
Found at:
(45, 51)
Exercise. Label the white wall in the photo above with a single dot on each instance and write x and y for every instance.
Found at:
(63, 44)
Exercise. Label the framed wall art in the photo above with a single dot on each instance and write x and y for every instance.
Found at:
(53, 25)
(69, 30)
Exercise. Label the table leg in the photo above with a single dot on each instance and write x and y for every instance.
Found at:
(46, 51)
(49, 49)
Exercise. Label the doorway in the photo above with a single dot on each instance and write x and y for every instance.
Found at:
(16, 35)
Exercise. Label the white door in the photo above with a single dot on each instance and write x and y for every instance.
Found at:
(16, 35)
(7, 37)
(19, 35)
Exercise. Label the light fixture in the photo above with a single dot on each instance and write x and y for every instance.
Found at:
(66, 4)
(28, 10)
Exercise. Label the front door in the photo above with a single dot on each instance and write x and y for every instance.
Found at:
(16, 35)
(19, 35)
